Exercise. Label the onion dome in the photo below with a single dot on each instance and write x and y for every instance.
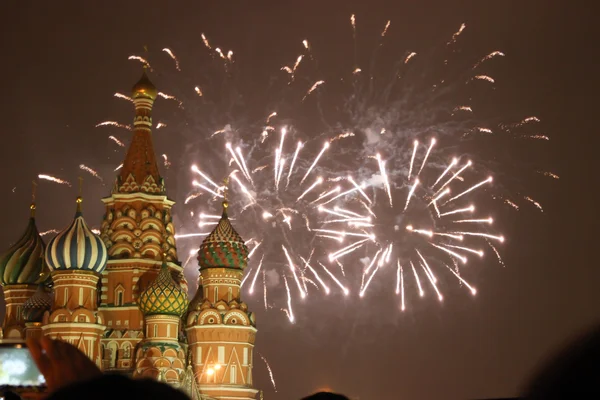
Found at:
(223, 247)
(77, 248)
(144, 88)
(23, 262)
(35, 306)
(163, 296)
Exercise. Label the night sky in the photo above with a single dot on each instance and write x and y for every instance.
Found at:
(62, 62)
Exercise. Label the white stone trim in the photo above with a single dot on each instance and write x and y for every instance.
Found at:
(137, 196)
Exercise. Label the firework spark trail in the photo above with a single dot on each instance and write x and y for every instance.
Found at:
(539, 137)
(335, 279)
(481, 234)
(318, 181)
(463, 108)
(169, 97)
(410, 193)
(535, 203)
(457, 34)
(289, 311)
(161, 125)
(122, 96)
(409, 57)
(462, 258)
(353, 22)
(142, 60)
(54, 179)
(291, 171)
(471, 288)
(401, 282)
(313, 88)
(366, 285)
(484, 78)
(488, 57)
(264, 282)
(341, 136)
(455, 175)
(118, 168)
(192, 197)
(307, 265)
(117, 141)
(360, 190)
(452, 164)
(549, 174)
(384, 176)
(48, 232)
(432, 279)
(488, 180)
(207, 189)
(205, 40)
(480, 253)
(421, 292)
(426, 156)
(203, 175)
(166, 163)
(495, 252)
(387, 26)
(198, 90)
(256, 275)
(90, 171)
(480, 220)
(293, 269)
(270, 372)
(113, 123)
(170, 53)
(412, 158)
(317, 158)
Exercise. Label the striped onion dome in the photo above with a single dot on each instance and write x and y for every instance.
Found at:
(23, 262)
(35, 306)
(77, 247)
(223, 247)
(163, 296)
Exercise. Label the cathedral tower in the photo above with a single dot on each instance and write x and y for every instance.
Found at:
(160, 356)
(21, 270)
(76, 257)
(137, 230)
(220, 329)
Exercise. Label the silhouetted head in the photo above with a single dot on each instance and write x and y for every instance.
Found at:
(117, 387)
(326, 396)
(572, 374)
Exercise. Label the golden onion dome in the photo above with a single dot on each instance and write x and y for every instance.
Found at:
(144, 88)
(163, 296)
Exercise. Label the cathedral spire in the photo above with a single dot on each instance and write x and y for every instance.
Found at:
(140, 169)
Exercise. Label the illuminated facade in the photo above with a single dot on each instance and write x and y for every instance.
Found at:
(121, 296)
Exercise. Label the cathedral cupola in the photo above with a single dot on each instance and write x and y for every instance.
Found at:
(36, 305)
(23, 262)
(223, 247)
(77, 247)
(144, 88)
(163, 296)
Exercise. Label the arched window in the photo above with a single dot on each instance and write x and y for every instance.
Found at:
(119, 295)
(80, 296)
(229, 294)
(155, 330)
(113, 353)
(216, 294)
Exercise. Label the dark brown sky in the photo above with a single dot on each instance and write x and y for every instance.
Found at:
(62, 61)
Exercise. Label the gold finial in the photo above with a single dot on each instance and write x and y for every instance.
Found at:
(225, 190)
(145, 57)
(33, 190)
(80, 198)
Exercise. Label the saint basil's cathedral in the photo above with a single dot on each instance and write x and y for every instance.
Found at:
(121, 297)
